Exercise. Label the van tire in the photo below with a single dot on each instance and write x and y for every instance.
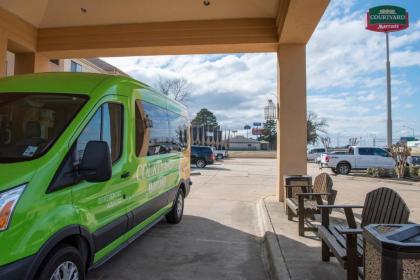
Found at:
(201, 163)
(177, 211)
(60, 256)
(343, 168)
(219, 157)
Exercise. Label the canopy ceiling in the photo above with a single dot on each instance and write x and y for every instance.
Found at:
(64, 13)
(91, 28)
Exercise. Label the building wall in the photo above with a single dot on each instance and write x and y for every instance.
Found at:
(10, 63)
(64, 65)
(244, 146)
(86, 66)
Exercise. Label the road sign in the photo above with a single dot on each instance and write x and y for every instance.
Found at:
(257, 131)
(387, 19)
(257, 124)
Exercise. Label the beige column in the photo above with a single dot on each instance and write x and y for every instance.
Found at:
(26, 63)
(291, 126)
(3, 54)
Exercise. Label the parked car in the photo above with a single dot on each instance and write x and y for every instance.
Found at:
(357, 158)
(413, 161)
(315, 153)
(84, 170)
(220, 154)
(201, 156)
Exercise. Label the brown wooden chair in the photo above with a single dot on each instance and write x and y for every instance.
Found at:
(382, 206)
(303, 201)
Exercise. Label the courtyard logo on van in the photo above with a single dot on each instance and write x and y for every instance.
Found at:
(387, 18)
(153, 168)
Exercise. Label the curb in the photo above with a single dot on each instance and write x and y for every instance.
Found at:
(277, 266)
(384, 181)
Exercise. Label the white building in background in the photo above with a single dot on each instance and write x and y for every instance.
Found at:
(242, 143)
(91, 65)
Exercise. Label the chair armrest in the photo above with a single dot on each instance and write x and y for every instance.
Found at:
(350, 230)
(348, 211)
(312, 194)
(298, 186)
(340, 206)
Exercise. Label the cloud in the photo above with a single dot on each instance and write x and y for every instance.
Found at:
(346, 71)
(345, 76)
(235, 86)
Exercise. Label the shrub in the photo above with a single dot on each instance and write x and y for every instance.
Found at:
(381, 172)
(407, 171)
(392, 173)
(414, 171)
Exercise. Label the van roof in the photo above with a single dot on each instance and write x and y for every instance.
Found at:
(83, 83)
(68, 82)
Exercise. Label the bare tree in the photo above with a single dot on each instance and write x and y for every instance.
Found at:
(354, 141)
(400, 153)
(326, 142)
(178, 89)
(315, 126)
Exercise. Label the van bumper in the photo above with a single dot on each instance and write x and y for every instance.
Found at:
(187, 185)
(18, 270)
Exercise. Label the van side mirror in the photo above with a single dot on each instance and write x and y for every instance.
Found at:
(96, 163)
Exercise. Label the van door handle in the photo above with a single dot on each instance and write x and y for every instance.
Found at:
(125, 175)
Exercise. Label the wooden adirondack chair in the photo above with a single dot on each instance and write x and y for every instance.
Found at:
(303, 201)
(382, 206)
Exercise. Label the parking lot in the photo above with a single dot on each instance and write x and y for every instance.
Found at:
(220, 235)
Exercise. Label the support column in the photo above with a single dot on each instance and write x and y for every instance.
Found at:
(26, 63)
(291, 126)
(3, 55)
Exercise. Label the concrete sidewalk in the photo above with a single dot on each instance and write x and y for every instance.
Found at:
(289, 255)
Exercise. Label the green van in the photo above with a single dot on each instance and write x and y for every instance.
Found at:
(88, 162)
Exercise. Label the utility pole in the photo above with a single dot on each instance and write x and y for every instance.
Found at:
(388, 91)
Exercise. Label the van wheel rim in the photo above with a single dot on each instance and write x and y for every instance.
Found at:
(200, 163)
(66, 271)
(179, 205)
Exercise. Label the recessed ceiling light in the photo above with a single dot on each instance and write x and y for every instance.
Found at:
(206, 2)
(83, 10)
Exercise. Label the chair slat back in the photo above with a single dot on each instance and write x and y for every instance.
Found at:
(384, 206)
(323, 183)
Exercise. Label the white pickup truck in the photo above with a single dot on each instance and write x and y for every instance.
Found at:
(357, 158)
(219, 154)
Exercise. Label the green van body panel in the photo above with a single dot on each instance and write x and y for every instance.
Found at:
(40, 214)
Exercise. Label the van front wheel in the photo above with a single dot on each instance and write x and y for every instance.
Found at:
(65, 263)
(175, 216)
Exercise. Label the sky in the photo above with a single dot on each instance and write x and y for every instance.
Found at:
(346, 78)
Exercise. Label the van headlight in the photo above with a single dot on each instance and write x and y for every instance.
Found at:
(8, 201)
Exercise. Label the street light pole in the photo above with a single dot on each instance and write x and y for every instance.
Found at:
(388, 86)
(412, 128)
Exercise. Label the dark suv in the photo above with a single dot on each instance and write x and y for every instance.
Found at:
(201, 156)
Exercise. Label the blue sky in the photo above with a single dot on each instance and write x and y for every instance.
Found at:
(345, 71)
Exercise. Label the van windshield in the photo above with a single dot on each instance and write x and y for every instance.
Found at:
(30, 123)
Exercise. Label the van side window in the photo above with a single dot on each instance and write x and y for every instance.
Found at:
(105, 125)
(178, 132)
(140, 129)
(158, 136)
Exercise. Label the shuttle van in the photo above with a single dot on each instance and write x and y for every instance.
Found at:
(88, 162)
